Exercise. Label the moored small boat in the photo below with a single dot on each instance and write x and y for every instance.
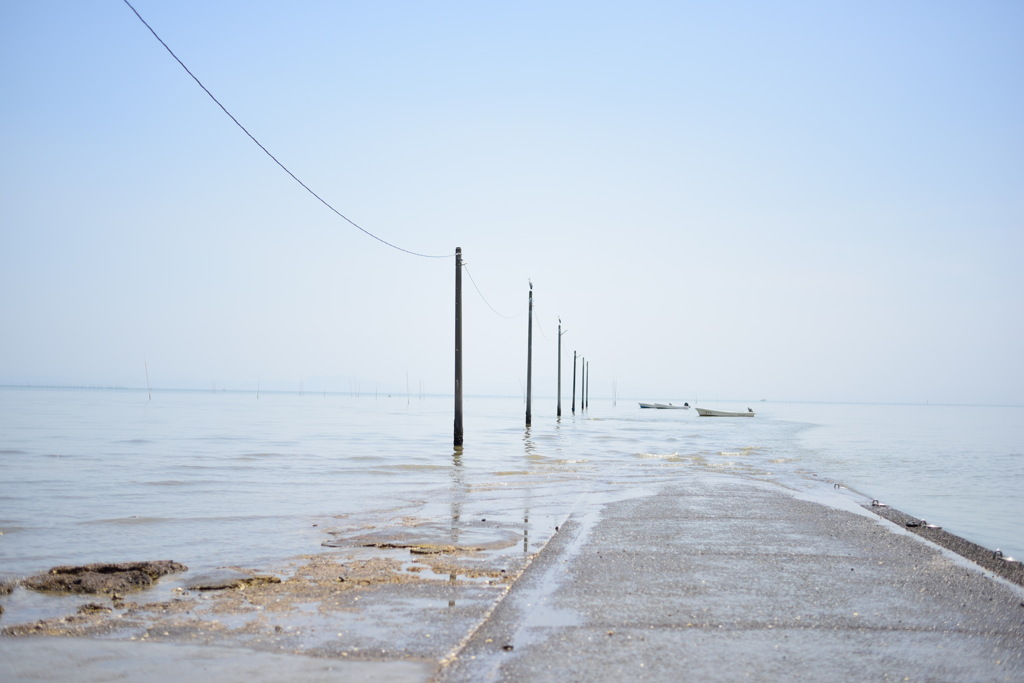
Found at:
(665, 406)
(706, 412)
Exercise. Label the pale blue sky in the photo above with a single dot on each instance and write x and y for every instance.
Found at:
(792, 200)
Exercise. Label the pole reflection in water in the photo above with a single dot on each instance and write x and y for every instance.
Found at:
(529, 449)
(458, 493)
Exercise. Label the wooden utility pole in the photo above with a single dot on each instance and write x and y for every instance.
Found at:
(574, 382)
(529, 362)
(560, 333)
(586, 387)
(583, 384)
(458, 348)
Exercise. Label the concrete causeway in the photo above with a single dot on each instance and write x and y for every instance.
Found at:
(715, 578)
(728, 579)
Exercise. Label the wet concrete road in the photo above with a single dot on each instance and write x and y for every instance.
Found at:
(719, 578)
(726, 579)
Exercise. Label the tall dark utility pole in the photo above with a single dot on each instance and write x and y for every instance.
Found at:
(560, 333)
(574, 382)
(458, 348)
(583, 383)
(529, 362)
(586, 388)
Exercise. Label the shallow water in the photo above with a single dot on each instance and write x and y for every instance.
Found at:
(212, 479)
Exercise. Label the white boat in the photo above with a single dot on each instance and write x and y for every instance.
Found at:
(665, 406)
(705, 412)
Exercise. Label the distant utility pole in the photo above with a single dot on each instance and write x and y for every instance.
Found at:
(458, 348)
(529, 362)
(560, 333)
(583, 383)
(586, 387)
(574, 353)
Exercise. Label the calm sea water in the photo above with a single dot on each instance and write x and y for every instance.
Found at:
(213, 479)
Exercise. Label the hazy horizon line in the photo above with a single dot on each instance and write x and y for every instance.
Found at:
(399, 394)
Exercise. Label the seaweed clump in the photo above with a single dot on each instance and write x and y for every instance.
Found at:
(102, 578)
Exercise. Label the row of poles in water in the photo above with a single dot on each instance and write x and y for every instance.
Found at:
(584, 365)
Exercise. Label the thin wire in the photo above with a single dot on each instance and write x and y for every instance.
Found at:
(260, 145)
(500, 315)
(539, 326)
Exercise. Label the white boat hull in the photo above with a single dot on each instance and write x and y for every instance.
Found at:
(705, 412)
(665, 406)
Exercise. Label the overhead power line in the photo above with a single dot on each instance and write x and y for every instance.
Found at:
(493, 309)
(267, 152)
